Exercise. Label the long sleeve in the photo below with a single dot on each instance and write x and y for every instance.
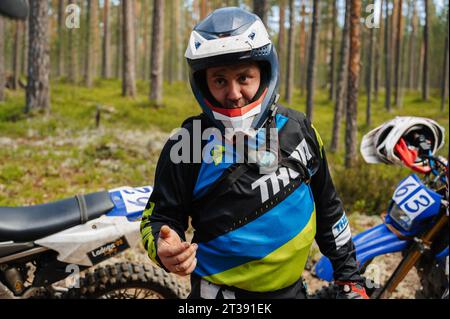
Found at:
(169, 203)
(333, 230)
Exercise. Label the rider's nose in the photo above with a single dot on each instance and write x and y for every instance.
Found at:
(234, 92)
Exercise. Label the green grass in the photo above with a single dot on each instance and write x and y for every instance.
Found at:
(43, 158)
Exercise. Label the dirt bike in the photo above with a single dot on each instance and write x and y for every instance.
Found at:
(415, 225)
(51, 250)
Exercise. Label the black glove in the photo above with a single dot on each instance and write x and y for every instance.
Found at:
(350, 290)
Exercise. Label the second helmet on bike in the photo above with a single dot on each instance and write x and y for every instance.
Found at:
(418, 133)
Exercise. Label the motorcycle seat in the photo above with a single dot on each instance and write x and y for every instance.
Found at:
(28, 223)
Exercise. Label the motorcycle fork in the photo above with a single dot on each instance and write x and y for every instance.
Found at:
(416, 251)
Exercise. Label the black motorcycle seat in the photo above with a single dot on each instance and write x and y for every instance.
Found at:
(28, 223)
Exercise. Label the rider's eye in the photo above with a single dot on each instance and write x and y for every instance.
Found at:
(243, 78)
(219, 81)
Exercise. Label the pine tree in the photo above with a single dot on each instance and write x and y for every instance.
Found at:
(129, 63)
(444, 81)
(290, 59)
(281, 38)
(38, 86)
(387, 60)
(2, 60)
(261, 9)
(332, 91)
(341, 88)
(156, 72)
(425, 74)
(61, 37)
(353, 84)
(398, 45)
(106, 50)
(16, 55)
(312, 60)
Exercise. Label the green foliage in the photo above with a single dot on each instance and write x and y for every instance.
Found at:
(11, 173)
(367, 188)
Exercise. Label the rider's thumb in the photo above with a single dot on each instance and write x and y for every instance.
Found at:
(169, 235)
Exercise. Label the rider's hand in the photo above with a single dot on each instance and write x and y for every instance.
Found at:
(177, 256)
(350, 290)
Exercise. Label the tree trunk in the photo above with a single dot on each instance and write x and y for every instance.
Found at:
(38, 86)
(172, 53)
(119, 41)
(106, 59)
(60, 41)
(398, 47)
(91, 43)
(420, 66)
(24, 65)
(178, 43)
(2, 60)
(387, 60)
(135, 9)
(377, 64)
(331, 93)
(312, 60)
(203, 9)
(128, 71)
(341, 83)
(281, 39)
(302, 49)
(394, 16)
(16, 56)
(425, 74)
(261, 8)
(444, 87)
(73, 53)
(412, 47)
(291, 47)
(369, 79)
(144, 71)
(156, 75)
(353, 85)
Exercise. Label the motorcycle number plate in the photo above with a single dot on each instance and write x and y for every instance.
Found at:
(418, 203)
(415, 199)
(129, 201)
(135, 199)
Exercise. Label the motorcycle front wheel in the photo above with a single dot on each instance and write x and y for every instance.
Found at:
(128, 281)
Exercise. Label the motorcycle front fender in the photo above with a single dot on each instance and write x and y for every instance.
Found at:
(369, 244)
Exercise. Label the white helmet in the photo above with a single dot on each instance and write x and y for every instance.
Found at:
(228, 36)
(379, 145)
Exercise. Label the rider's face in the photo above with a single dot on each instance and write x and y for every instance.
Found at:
(234, 86)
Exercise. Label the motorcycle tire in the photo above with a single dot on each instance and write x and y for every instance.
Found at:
(128, 281)
(432, 278)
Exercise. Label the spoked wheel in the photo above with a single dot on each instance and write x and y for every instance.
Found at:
(128, 281)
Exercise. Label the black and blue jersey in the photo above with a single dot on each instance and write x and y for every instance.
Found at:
(254, 231)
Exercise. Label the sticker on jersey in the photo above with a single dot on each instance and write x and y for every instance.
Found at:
(341, 232)
(108, 250)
